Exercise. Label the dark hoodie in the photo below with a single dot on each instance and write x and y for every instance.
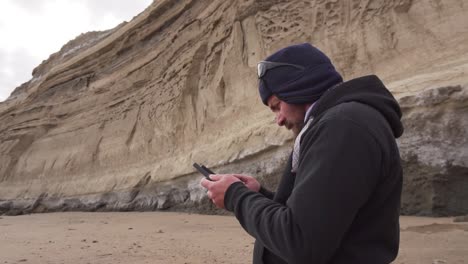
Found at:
(343, 204)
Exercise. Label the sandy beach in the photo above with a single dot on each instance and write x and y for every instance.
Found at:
(163, 237)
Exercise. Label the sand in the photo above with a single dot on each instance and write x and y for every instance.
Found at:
(163, 237)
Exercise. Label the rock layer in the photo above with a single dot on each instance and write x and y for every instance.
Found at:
(435, 151)
(115, 119)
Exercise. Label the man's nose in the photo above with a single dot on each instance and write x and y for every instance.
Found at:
(280, 120)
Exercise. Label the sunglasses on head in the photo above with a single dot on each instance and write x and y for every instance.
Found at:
(264, 66)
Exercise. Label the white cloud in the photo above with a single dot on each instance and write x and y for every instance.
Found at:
(31, 30)
(15, 68)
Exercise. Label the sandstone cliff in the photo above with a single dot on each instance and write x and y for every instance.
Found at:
(115, 119)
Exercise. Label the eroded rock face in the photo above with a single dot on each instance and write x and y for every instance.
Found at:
(115, 119)
(435, 151)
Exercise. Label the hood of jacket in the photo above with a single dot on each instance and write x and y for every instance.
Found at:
(367, 90)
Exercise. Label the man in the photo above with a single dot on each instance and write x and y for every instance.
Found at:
(339, 198)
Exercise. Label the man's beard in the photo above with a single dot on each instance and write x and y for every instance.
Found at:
(296, 128)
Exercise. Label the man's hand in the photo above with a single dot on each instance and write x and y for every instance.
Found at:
(249, 181)
(218, 186)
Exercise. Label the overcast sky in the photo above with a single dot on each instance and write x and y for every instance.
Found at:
(31, 30)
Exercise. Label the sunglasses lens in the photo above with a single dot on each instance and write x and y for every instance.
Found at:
(264, 66)
(260, 70)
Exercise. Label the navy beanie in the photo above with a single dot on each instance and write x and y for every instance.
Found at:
(295, 86)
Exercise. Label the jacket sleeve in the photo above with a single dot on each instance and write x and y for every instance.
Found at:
(267, 193)
(338, 169)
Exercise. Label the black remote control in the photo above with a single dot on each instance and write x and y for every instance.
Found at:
(203, 170)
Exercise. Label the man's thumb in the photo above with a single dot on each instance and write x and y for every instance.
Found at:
(215, 177)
